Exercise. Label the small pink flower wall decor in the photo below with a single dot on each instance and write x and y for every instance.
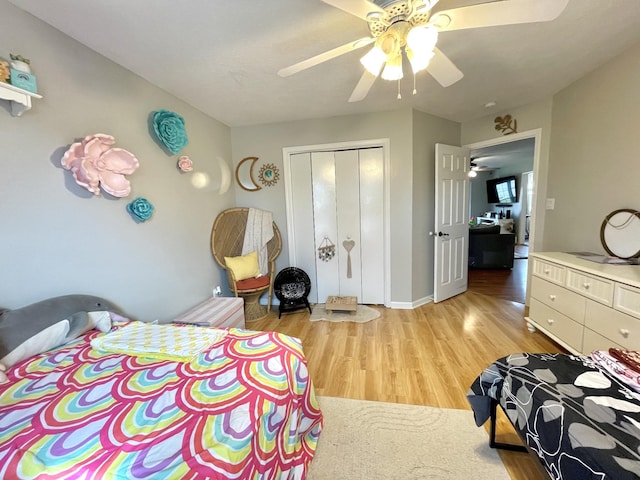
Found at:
(185, 164)
(95, 162)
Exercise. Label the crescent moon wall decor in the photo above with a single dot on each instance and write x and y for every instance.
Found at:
(245, 177)
(225, 176)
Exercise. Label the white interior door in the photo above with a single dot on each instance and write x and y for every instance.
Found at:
(451, 234)
(337, 196)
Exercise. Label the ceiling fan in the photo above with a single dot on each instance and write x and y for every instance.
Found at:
(412, 27)
(475, 167)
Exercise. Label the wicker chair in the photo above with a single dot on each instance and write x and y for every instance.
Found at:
(227, 237)
(292, 287)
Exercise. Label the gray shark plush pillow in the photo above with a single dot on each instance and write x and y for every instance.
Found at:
(38, 327)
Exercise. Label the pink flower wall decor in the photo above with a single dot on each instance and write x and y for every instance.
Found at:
(185, 164)
(95, 162)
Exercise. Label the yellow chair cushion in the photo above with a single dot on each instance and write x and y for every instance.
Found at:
(244, 266)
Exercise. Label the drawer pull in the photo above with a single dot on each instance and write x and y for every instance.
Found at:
(586, 286)
(552, 297)
(550, 321)
(547, 271)
(624, 332)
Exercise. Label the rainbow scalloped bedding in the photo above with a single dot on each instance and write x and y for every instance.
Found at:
(243, 409)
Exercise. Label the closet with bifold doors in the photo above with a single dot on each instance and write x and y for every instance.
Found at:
(336, 216)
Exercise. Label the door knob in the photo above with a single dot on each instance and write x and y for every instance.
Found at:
(440, 234)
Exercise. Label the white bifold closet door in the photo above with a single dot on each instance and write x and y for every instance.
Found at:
(338, 197)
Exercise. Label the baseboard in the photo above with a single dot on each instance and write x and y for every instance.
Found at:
(394, 305)
(411, 305)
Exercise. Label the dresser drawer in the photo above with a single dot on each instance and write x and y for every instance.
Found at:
(559, 298)
(549, 271)
(597, 288)
(618, 327)
(627, 299)
(555, 323)
(594, 341)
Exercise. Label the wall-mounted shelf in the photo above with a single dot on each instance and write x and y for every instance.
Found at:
(20, 99)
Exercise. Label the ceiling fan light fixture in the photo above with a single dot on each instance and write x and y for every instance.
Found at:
(393, 68)
(422, 39)
(420, 61)
(374, 60)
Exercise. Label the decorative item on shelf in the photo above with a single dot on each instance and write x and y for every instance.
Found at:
(326, 250)
(507, 125)
(170, 130)
(140, 209)
(20, 63)
(95, 162)
(24, 80)
(269, 174)
(245, 177)
(5, 71)
(185, 164)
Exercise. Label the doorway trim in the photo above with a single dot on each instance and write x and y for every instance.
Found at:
(538, 217)
(288, 152)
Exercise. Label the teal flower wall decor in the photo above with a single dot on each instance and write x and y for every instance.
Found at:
(169, 127)
(140, 209)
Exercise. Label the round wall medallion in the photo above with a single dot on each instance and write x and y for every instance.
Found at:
(620, 233)
(269, 174)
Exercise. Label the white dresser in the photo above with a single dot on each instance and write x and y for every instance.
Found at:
(583, 305)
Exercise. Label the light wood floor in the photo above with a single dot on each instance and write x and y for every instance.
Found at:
(427, 356)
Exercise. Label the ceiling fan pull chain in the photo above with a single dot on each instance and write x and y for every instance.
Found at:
(399, 96)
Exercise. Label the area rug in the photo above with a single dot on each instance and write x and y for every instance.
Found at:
(361, 315)
(376, 440)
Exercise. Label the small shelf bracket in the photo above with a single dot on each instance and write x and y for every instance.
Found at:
(20, 99)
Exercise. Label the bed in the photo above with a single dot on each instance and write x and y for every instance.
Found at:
(243, 409)
(579, 420)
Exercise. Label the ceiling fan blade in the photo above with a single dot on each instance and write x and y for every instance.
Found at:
(362, 88)
(443, 69)
(359, 8)
(323, 57)
(498, 13)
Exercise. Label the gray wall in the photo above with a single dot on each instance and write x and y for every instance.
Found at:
(530, 117)
(478, 195)
(479, 204)
(400, 127)
(589, 161)
(57, 238)
(595, 166)
(427, 131)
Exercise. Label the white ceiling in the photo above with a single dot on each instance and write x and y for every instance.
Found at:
(221, 56)
(504, 154)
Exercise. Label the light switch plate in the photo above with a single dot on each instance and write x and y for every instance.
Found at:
(551, 203)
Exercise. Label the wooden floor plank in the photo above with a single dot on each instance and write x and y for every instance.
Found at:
(427, 356)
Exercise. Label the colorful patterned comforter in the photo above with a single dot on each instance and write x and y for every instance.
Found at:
(244, 409)
(579, 420)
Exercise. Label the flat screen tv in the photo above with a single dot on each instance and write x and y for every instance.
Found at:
(502, 190)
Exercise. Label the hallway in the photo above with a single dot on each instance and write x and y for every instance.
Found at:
(505, 284)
